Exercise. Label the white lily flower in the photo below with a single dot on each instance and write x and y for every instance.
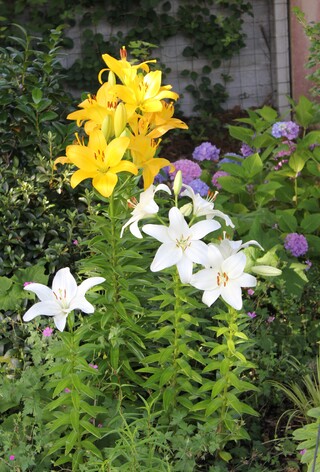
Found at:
(144, 209)
(227, 247)
(181, 245)
(204, 206)
(63, 298)
(223, 277)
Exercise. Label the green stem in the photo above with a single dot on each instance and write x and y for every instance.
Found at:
(113, 242)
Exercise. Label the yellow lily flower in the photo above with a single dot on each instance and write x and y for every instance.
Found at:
(100, 162)
(154, 125)
(122, 68)
(95, 109)
(144, 94)
(143, 150)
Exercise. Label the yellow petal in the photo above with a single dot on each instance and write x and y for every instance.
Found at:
(82, 157)
(79, 176)
(115, 150)
(61, 160)
(125, 166)
(105, 183)
(151, 168)
(97, 140)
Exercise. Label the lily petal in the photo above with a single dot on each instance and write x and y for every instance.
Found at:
(42, 291)
(64, 284)
(204, 227)
(87, 284)
(60, 321)
(48, 308)
(166, 256)
(185, 267)
(158, 232)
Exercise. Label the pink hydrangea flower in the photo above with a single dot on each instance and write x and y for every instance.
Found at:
(215, 177)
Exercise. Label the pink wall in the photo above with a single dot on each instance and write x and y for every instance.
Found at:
(299, 49)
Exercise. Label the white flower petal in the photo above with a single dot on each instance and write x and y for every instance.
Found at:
(205, 279)
(166, 256)
(60, 321)
(134, 229)
(185, 267)
(215, 257)
(87, 284)
(204, 227)
(231, 294)
(197, 252)
(158, 232)
(80, 303)
(42, 291)
(64, 283)
(252, 242)
(47, 308)
(128, 223)
(247, 280)
(222, 215)
(234, 265)
(210, 296)
(178, 225)
(163, 187)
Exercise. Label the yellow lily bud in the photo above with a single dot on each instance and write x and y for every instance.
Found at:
(112, 78)
(119, 119)
(177, 183)
(186, 209)
(266, 271)
(107, 127)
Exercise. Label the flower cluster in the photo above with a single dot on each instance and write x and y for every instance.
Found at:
(296, 244)
(206, 151)
(124, 122)
(285, 129)
(190, 170)
(223, 273)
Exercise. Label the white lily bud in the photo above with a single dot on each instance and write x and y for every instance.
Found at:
(266, 271)
(177, 183)
(186, 209)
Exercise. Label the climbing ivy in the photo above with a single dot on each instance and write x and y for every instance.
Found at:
(211, 28)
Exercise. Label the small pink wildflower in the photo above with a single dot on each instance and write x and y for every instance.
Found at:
(303, 451)
(75, 242)
(250, 292)
(12, 457)
(94, 366)
(270, 319)
(100, 425)
(47, 332)
(67, 390)
(252, 314)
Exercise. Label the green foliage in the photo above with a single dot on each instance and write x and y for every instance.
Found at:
(35, 202)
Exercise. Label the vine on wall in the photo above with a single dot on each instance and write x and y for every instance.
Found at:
(212, 29)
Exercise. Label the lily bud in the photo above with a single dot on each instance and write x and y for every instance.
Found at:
(186, 209)
(107, 127)
(120, 119)
(123, 53)
(266, 271)
(112, 78)
(177, 183)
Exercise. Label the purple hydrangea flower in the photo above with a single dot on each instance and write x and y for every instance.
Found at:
(215, 177)
(206, 151)
(199, 187)
(291, 147)
(162, 176)
(309, 264)
(285, 129)
(190, 170)
(296, 244)
(246, 150)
